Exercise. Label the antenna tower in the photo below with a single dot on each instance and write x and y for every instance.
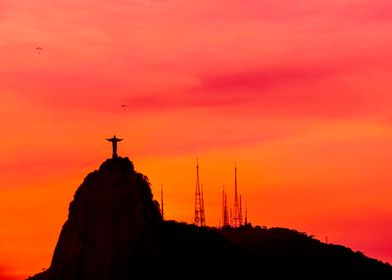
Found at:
(231, 215)
(202, 212)
(162, 213)
(199, 218)
(236, 209)
(246, 215)
(241, 220)
(225, 212)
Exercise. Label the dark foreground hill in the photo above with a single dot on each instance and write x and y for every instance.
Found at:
(115, 231)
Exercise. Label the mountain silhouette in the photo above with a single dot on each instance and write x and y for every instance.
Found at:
(115, 231)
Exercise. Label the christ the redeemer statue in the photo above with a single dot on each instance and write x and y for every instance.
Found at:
(114, 141)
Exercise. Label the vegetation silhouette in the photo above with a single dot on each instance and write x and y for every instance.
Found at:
(115, 231)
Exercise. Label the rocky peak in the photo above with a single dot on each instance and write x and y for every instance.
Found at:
(107, 216)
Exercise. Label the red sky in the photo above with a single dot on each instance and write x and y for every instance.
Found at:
(298, 93)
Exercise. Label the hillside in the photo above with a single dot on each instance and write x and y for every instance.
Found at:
(284, 252)
(115, 231)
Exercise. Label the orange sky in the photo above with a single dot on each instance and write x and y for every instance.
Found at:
(298, 93)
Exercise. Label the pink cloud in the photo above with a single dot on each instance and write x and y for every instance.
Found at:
(308, 90)
(279, 91)
(264, 79)
(100, 55)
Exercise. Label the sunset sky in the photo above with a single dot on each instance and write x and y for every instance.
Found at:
(297, 93)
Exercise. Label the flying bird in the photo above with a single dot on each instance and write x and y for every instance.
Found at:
(39, 49)
(124, 106)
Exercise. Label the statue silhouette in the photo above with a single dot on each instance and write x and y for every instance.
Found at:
(114, 141)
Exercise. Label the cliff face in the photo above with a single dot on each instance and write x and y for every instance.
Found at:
(107, 217)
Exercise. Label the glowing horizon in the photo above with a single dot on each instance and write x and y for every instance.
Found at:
(298, 94)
